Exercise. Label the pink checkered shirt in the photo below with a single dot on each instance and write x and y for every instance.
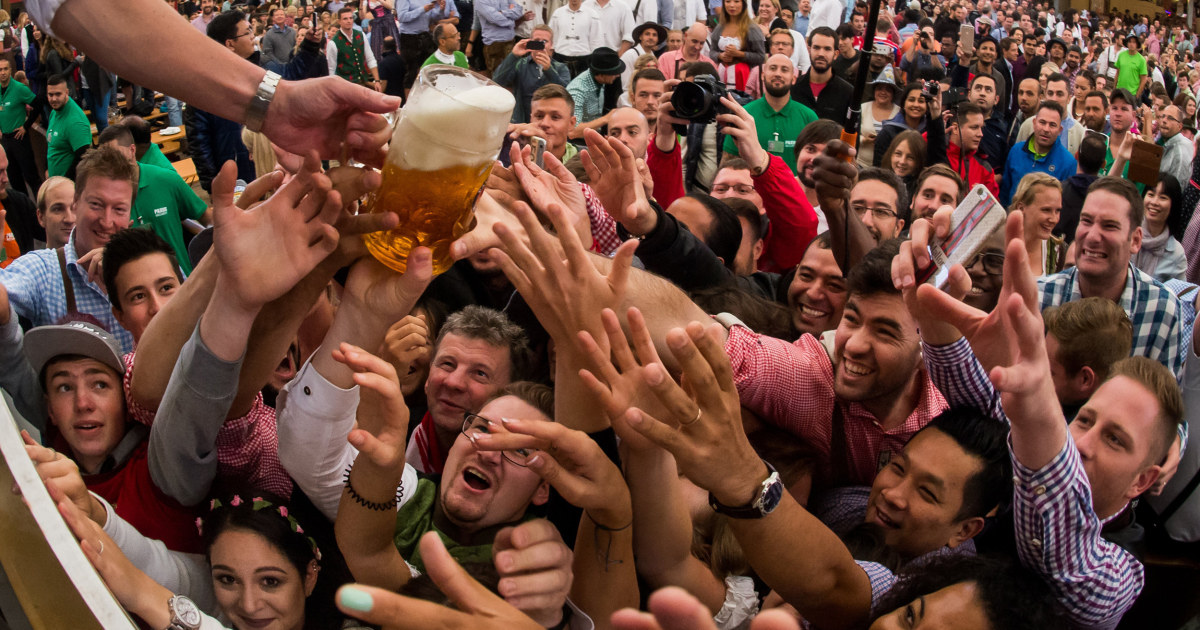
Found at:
(247, 447)
(790, 385)
(604, 229)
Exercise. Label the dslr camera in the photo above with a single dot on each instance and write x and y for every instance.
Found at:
(699, 101)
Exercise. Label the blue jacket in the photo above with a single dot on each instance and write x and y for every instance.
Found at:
(1058, 163)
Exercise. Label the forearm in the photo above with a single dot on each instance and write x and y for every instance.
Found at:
(357, 325)
(365, 535)
(168, 331)
(183, 440)
(206, 74)
(793, 220)
(596, 124)
(574, 406)
(848, 237)
(806, 563)
(17, 377)
(603, 566)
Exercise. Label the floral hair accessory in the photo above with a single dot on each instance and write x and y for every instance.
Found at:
(257, 504)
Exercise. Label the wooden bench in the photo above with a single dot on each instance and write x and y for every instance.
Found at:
(169, 148)
(159, 138)
(186, 169)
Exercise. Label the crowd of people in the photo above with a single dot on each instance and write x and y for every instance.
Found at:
(684, 372)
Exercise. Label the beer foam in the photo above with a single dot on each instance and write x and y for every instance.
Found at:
(473, 120)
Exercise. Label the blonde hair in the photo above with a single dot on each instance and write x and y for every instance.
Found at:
(1160, 382)
(47, 187)
(1028, 187)
(647, 60)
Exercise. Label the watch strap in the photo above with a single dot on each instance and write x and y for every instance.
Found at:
(256, 111)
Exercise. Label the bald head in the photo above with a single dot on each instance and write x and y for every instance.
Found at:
(630, 127)
(693, 41)
(778, 75)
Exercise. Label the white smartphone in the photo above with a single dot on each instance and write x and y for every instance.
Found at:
(537, 144)
(972, 223)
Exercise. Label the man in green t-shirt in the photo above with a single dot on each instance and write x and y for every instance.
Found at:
(447, 53)
(777, 117)
(69, 133)
(1132, 73)
(163, 200)
(146, 150)
(15, 98)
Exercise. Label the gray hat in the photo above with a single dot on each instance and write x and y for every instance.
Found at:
(78, 338)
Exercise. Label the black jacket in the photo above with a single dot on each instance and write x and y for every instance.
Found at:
(834, 101)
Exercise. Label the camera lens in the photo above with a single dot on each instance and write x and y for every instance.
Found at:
(691, 101)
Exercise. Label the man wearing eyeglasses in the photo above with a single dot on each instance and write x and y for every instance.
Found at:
(1177, 149)
(877, 199)
(447, 53)
(529, 66)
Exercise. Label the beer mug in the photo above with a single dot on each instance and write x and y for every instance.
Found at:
(445, 142)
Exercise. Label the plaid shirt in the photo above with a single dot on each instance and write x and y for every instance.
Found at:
(1058, 536)
(604, 229)
(589, 97)
(35, 289)
(1153, 309)
(247, 447)
(791, 386)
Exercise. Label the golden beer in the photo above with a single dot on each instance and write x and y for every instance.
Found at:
(442, 150)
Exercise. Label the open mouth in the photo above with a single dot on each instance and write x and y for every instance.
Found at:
(813, 313)
(850, 368)
(476, 480)
(884, 520)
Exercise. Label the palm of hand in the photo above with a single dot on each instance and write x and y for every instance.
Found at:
(262, 252)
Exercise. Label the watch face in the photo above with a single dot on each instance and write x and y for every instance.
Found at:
(186, 612)
(771, 495)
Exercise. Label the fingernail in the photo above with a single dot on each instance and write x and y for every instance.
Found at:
(908, 281)
(507, 420)
(535, 461)
(475, 435)
(355, 598)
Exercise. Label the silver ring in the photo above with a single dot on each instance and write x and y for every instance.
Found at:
(101, 548)
(699, 412)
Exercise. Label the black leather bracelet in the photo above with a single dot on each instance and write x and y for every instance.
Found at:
(567, 613)
(373, 505)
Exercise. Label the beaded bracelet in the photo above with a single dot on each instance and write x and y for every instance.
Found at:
(372, 505)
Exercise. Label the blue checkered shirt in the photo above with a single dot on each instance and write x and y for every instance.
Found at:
(588, 96)
(35, 289)
(1155, 312)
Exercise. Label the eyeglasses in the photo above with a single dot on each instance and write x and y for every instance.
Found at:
(993, 263)
(474, 423)
(742, 189)
(879, 213)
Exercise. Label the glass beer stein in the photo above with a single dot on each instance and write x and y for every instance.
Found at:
(445, 142)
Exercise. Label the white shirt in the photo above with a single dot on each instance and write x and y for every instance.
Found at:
(614, 23)
(525, 29)
(826, 13)
(687, 12)
(574, 31)
(629, 57)
(647, 11)
(800, 56)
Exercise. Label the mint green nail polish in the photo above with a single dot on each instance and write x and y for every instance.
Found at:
(356, 599)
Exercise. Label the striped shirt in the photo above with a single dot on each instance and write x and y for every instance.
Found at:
(1153, 309)
(1058, 536)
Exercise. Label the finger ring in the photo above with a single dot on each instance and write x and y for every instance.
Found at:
(699, 412)
(101, 548)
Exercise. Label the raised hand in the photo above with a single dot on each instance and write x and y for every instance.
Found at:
(569, 460)
(407, 347)
(376, 291)
(740, 125)
(565, 296)
(994, 341)
(382, 415)
(60, 472)
(535, 569)
(476, 608)
(702, 430)
(552, 184)
(614, 177)
(618, 380)
(914, 257)
(264, 252)
(491, 208)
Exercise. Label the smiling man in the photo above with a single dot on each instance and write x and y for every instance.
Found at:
(1109, 233)
(104, 191)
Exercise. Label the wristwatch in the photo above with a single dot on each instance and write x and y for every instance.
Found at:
(767, 500)
(184, 614)
(256, 111)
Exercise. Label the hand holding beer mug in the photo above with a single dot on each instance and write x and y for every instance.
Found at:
(446, 140)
